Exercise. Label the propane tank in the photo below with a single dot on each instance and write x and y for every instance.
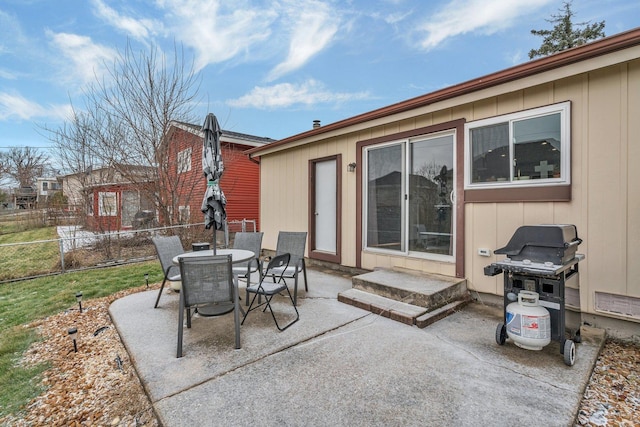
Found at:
(528, 324)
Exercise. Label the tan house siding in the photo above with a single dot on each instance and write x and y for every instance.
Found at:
(603, 206)
(602, 200)
(633, 179)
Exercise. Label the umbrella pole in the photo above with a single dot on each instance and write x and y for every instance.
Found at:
(214, 239)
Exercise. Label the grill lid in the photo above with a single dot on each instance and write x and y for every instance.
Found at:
(556, 243)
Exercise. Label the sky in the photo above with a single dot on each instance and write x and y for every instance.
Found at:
(269, 68)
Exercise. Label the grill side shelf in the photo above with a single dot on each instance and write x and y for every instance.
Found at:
(492, 270)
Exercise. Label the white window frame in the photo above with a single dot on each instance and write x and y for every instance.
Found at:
(564, 109)
(404, 251)
(184, 160)
(184, 214)
(101, 203)
(402, 143)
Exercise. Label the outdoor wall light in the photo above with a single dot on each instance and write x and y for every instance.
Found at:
(146, 279)
(352, 166)
(73, 332)
(79, 299)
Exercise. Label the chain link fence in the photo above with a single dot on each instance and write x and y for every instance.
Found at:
(76, 249)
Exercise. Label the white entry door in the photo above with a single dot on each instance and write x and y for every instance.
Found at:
(325, 206)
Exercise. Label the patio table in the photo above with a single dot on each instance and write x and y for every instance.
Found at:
(237, 256)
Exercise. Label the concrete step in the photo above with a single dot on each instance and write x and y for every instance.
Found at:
(407, 296)
(386, 307)
(412, 287)
(440, 313)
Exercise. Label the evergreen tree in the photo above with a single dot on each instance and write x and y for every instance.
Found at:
(563, 35)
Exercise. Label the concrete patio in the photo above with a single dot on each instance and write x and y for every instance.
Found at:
(340, 365)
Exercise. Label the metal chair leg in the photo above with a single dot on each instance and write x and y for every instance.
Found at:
(180, 321)
(160, 292)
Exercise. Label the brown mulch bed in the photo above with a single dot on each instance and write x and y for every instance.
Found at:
(98, 385)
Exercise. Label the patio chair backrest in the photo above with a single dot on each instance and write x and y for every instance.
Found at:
(250, 241)
(167, 248)
(276, 269)
(206, 280)
(270, 288)
(293, 243)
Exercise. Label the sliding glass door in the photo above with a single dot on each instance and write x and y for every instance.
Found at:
(385, 194)
(409, 194)
(431, 192)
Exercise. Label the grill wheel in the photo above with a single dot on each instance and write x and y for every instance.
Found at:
(501, 333)
(569, 353)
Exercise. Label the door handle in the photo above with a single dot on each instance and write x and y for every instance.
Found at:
(452, 197)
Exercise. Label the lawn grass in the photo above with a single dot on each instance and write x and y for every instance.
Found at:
(29, 260)
(31, 235)
(26, 301)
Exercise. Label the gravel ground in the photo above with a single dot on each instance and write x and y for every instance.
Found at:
(612, 397)
(99, 386)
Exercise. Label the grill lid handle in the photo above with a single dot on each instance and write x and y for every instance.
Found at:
(574, 242)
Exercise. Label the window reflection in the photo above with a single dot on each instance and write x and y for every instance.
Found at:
(537, 148)
(490, 150)
(384, 195)
(431, 182)
(527, 145)
(423, 221)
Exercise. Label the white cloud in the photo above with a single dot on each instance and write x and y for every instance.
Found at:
(284, 95)
(516, 57)
(14, 106)
(12, 38)
(139, 29)
(87, 59)
(8, 75)
(220, 31)
(396, 17)
(216, 30)
(314, 27)
(464, 16)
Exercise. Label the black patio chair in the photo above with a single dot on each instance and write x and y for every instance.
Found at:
(293, 243)
(276, 268)
(167, 248)
(207, 280)
(250, 241)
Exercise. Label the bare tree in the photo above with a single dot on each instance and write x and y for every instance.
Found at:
(73, 141)
(125, 119)
(24, 165)
(563, 35)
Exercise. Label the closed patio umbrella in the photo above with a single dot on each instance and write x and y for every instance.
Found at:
(214, 202)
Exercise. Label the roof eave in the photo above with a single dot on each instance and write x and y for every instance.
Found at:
(570, 56)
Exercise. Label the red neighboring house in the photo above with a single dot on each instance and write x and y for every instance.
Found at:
(240, 180)
(114, 200)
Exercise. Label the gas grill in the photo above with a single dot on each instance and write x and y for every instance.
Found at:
(541, 259)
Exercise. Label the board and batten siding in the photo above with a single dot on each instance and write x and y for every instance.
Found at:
(284, 193)
(605, 195)
(605, 202)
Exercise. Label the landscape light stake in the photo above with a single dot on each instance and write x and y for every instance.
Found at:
(146, 278)
(79, 299)
(73, 332)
